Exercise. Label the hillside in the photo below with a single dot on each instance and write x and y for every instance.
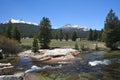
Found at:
(29, 29)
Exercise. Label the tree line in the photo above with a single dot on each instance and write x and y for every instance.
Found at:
(66, 36)
(11, 31)
(95, 35)
(111, 32)
(10, 40)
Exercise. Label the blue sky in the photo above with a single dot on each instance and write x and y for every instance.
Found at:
(89, 13)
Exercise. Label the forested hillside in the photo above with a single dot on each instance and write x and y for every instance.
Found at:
(29, 30)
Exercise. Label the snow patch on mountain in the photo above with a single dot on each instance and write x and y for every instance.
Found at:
(21, 21)
(69, 26)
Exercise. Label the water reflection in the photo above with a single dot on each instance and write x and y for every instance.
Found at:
(24, 63)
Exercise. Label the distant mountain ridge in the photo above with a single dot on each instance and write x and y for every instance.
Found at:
(66, 26)
(29, 29)
(69, 26)
(20, 21)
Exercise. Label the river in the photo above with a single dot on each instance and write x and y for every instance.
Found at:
(92, 67)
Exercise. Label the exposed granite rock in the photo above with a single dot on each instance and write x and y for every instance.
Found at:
(6, 69)
(54, 55)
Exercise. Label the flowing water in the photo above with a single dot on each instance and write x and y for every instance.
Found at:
(91, 67)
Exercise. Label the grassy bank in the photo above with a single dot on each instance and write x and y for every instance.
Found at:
(112, 54)
(113, 69)
(12, 60)
(67, 44)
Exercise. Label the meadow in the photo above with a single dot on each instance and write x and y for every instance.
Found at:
(68, 44)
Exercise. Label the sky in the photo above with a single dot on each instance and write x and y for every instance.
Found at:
(89, 13)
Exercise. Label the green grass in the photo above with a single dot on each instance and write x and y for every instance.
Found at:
(67, 44)
(12, 60)
(71, 44)
(112, 54)
(27, 42)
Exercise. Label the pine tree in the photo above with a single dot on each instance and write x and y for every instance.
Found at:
(111, 30)
(95, 35)
(66, 36)
(7, 30)
(44, 33)
(11, 31)
(35, 45)
(90, 37)
(74, 36)
(60, 34)
(15, 33)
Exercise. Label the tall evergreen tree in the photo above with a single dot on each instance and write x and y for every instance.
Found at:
(95, 35)
(7, 30)
(45, 33)
(60, 34)
(11, 31)
(15, 33)
(74, 36)
(111, 30)
(66, 36)
(90, 37)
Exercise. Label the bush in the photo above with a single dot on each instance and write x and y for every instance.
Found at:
(9, 46)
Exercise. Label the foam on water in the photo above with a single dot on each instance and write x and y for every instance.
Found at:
(36, 68)
(97, 62)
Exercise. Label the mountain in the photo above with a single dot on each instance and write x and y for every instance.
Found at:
(20, 21)
(69, 26)
(29, 29)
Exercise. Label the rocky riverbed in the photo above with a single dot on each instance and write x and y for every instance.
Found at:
(82, 66)
(70, 69)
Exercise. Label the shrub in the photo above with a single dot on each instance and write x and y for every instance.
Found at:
(9, 46)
